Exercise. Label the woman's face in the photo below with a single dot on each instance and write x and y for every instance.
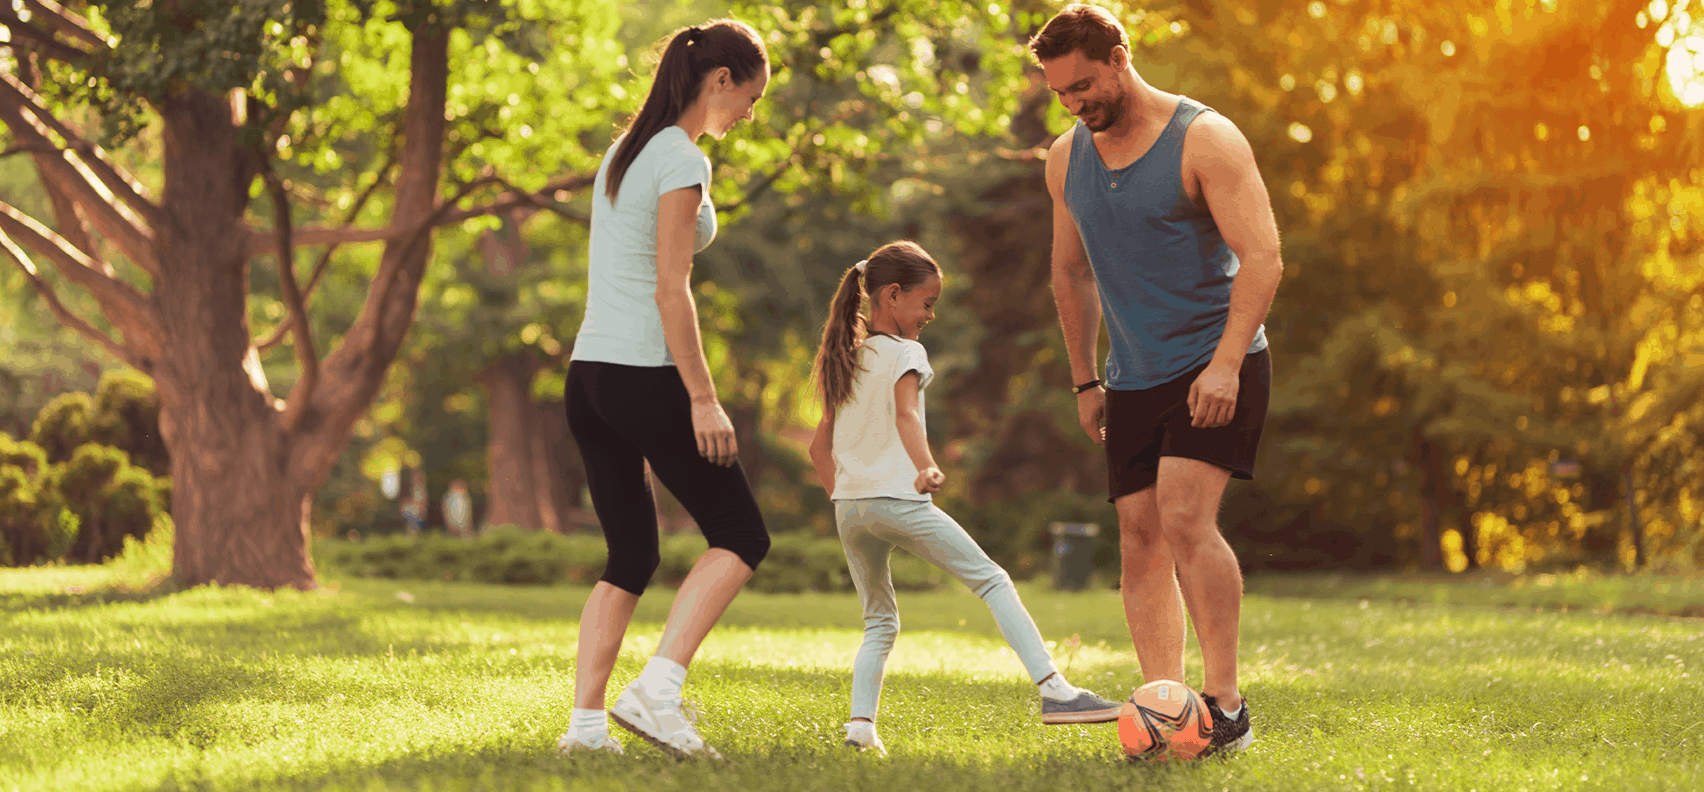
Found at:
(729, 102)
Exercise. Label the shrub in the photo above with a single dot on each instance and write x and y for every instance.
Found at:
(127, 416)
(508, 554)
(34, 527)
(111, 498)
(22, 454)
(65, 424)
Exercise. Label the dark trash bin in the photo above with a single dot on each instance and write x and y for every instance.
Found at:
(1073, 554)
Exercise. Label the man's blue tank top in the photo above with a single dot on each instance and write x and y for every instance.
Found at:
(1163, 270)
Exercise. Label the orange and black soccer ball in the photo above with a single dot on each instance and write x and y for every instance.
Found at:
(1164, 720)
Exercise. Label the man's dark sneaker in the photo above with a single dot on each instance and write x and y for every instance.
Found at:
(1085, 708)
(1228, 735)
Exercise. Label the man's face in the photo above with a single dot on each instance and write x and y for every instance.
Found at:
(1089, 88)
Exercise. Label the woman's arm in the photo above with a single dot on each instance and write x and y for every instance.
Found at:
(677, 228)
(822, 451)
(909, 419)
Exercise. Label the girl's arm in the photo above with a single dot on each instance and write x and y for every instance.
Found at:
(822, 451)
(677, 226)
(909, 419)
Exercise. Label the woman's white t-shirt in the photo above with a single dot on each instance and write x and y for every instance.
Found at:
(869, 458)
(622, 323)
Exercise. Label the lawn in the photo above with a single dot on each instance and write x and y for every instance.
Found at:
(377, 685)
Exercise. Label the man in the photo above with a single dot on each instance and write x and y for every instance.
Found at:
(1162, 222)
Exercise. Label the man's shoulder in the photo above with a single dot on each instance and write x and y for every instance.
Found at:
(1059, 157)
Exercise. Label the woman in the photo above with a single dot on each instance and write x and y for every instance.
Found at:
(639, 389)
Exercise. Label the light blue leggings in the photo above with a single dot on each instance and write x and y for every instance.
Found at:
(869, 530)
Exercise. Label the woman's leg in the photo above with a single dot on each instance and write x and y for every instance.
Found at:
(867, 560)
(720, 502)
(615, 475)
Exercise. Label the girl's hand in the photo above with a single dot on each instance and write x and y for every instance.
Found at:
(929, 480)
(715, 433)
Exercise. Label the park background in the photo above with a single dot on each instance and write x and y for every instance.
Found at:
(1476, 520)
(1489, 340)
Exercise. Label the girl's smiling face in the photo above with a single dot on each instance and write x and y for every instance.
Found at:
(904, 312)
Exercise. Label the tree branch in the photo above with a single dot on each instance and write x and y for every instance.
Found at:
(113, 203)
(261, 242)
(66, 22)
(70, 320)
(38, 40)
(306, 356)
(325, 257)
(74, 263)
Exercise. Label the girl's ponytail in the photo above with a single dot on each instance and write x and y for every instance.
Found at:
(837, 358)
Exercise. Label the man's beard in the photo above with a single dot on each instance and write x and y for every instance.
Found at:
(1105, 114)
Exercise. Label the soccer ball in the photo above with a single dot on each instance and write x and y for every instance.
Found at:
(1164, 720)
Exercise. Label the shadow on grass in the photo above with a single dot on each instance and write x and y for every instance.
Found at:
(75, 596)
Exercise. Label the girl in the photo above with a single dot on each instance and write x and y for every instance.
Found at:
(872, 455)
(639, 388)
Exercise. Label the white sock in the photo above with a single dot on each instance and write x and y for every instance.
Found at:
(662, 678)
(1232, 715)
(1056, 688)
(861, 732)
(590, 726)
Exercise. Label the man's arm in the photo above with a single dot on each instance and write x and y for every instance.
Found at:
(1074, 293)
(1222, 162)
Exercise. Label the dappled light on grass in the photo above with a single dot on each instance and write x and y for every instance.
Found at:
(409, 685)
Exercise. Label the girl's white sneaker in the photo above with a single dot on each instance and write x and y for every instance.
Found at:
(862, 736)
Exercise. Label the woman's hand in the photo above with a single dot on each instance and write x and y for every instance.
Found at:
(929, 480)
(715, 433)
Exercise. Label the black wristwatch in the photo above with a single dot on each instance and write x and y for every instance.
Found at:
(1095, 383)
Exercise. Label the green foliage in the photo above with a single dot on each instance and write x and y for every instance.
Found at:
(22, 454)
(508, 554)
(111, 498)
(127, 414)
(34, 525)
(64, 425)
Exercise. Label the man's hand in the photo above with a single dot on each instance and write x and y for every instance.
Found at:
(1213, 396)
(1091, 413)
(929, 480)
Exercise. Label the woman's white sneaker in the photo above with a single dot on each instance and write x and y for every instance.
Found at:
(660, 723)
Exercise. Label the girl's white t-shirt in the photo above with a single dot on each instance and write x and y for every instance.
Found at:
(622, 323)
(869, 458)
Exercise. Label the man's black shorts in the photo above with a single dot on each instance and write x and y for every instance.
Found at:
(1144, 425)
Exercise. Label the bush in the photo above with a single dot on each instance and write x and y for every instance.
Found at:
(34, 527)
(111, 498)
(508, 554)
(64, 425)
(127, 416)
(22, 454)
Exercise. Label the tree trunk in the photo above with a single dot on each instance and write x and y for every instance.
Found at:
(239, 517)
(1431, 480)
(557, 470)
(512, 496)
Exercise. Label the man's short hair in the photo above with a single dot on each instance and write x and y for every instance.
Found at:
(1091, 29)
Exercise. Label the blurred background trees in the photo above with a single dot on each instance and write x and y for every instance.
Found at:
(1487, 346)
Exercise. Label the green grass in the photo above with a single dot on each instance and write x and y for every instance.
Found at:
(1649, 594)
(377, 685)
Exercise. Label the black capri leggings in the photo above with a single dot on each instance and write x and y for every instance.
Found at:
(624, 415)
